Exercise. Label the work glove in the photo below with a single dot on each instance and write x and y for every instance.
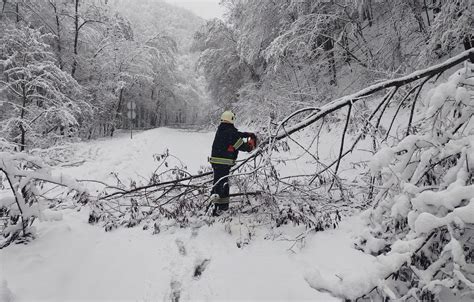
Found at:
(253, 136)
(252, 141)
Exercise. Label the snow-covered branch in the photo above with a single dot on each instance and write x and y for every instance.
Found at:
(29, 180)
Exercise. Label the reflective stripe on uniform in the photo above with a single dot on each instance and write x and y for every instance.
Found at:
(238, 143)
(221, 161)
(221, 200)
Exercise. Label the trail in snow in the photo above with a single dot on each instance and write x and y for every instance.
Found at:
(72, 260)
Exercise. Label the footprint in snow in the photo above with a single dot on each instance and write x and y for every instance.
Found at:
(200, 267)
(175, 291)
(181, 247)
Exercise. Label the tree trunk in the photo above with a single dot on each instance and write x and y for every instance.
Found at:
(368, 12)
(76, 38)
(426, 12)
(58, 35)
(117, 112)
(17, 10)
(417, 12)
(3, 9)
(22, 116)
(328, 46)
(141, 117)
(332, 63)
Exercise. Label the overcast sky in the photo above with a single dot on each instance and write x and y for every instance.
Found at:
(206, 9)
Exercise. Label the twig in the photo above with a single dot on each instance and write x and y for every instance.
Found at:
(414, 103)
(362, 133)
(100, 182)
(343, 138)
(377, 124)
(398, 109)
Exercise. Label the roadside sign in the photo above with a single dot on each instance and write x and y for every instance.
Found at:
(132, 114)
(131, 105)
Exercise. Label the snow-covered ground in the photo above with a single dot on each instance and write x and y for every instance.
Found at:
(72, 260)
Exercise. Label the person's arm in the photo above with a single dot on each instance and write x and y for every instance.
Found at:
(245, 146)
(245, 134)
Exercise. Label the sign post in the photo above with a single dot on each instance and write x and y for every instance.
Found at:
(131, 114)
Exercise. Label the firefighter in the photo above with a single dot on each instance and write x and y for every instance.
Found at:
(225, 149)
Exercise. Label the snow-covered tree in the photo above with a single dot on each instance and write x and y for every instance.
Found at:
(285, 55)
(452, 27)
(42, 101)
(424, 211)
(225, 71)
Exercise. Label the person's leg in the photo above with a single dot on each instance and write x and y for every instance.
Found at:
(224, 202)
(215, 169)
(219, 181)
(221, 187)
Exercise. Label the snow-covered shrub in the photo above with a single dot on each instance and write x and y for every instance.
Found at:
(27, 185)
(425, 208)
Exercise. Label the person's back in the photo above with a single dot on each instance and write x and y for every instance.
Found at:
(225, 149)
(226, 142)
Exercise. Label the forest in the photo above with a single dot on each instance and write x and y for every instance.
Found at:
(362, 109)
(70, 67)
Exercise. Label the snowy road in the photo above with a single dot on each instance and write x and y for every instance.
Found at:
(74, 261)
(134, 157)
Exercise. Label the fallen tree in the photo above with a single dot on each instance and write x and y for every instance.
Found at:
(178, 195)
(421, 224)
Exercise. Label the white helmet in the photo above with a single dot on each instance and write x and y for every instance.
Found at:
(228, 116)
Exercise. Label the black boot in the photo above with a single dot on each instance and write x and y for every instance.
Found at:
(219, 208)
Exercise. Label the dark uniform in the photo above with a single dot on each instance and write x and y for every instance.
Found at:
(225, 149)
